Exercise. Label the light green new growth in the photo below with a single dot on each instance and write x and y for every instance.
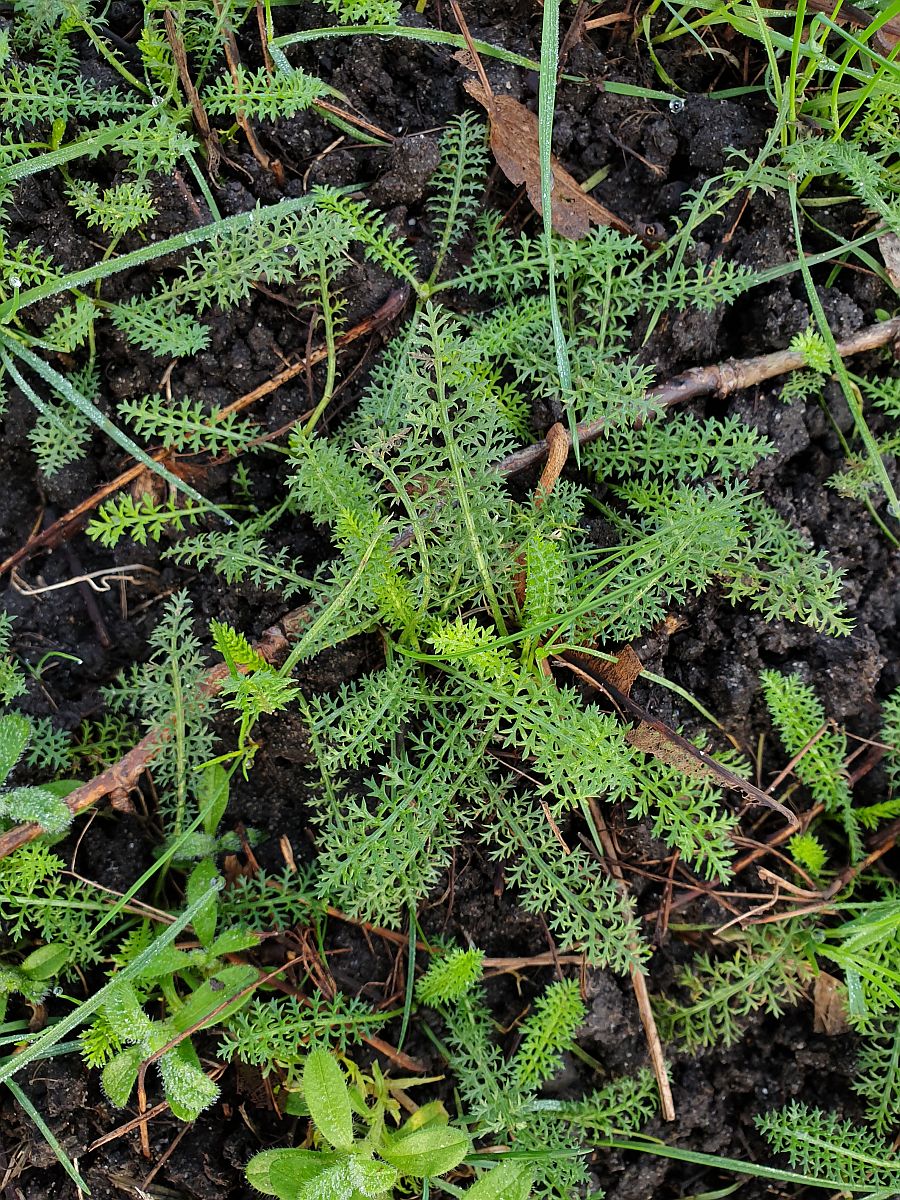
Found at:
(500, 1097)
(808, 852)
(805, 731)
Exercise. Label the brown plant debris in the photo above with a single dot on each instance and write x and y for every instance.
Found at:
(515, 146)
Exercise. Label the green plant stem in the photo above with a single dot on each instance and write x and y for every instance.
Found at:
(742, 1168)
(104, 51)
(546, 107)
(851, 393)
(206, 193)
(331, 361)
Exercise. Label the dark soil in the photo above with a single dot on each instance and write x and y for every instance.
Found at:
(654, 156)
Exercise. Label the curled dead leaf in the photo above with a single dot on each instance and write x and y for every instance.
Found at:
(623, 672)
(889, 245)
(830, 1005)
(650, 741)
(516, 147)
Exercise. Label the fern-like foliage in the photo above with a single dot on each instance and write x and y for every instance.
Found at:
(547, 1033)
(865, 947)
(49, 747)
(156, 324)
(767, 972)
(55, 91)
(800, 719)
(581, 907)
(878, 1075)
(500, 1096)
(458, 182)
(425, 532)
(367, 226)
(116, 210)
(186, 426)
(782, 576)
(71, 327)
(277, 249)
(143, 519)
(12, 680)
(680, 449)
(276, 1035)
(242, 554)
(687, 815)
(100, 743)
(451, 977)
(890, 734)
(165, 693)
(252, 687)
(60, 435)
(38, 903)
(265, 903)
(380, 851)
(364, 12)
(608, 279)
(261, 96)
(356, 722)
(820, 1144)
(808, 851)
(621, 1107)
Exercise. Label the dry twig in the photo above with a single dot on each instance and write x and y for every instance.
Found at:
(638, 980)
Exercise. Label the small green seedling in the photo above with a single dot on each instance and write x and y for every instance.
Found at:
(218, 991)
(358, 1168)
(44, 804)
(187, 1087)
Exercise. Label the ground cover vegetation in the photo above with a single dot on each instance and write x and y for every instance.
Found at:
(442, 583)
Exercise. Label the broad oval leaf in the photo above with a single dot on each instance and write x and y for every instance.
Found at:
(212, 796)
(433, 1150)
(370, 1177)
(119, 1076)
(506, 1181)
(332, 1184)
(284, 1173)
(47, 961)
(326, 1096)
(198, 882)
(227, 984)
(188, 1089)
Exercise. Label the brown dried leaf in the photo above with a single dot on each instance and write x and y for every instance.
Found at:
(515, 146)
(830, 1005)
(886, 37)
(623, 672)
(649, 740)
(889, 245)
(465, 59)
